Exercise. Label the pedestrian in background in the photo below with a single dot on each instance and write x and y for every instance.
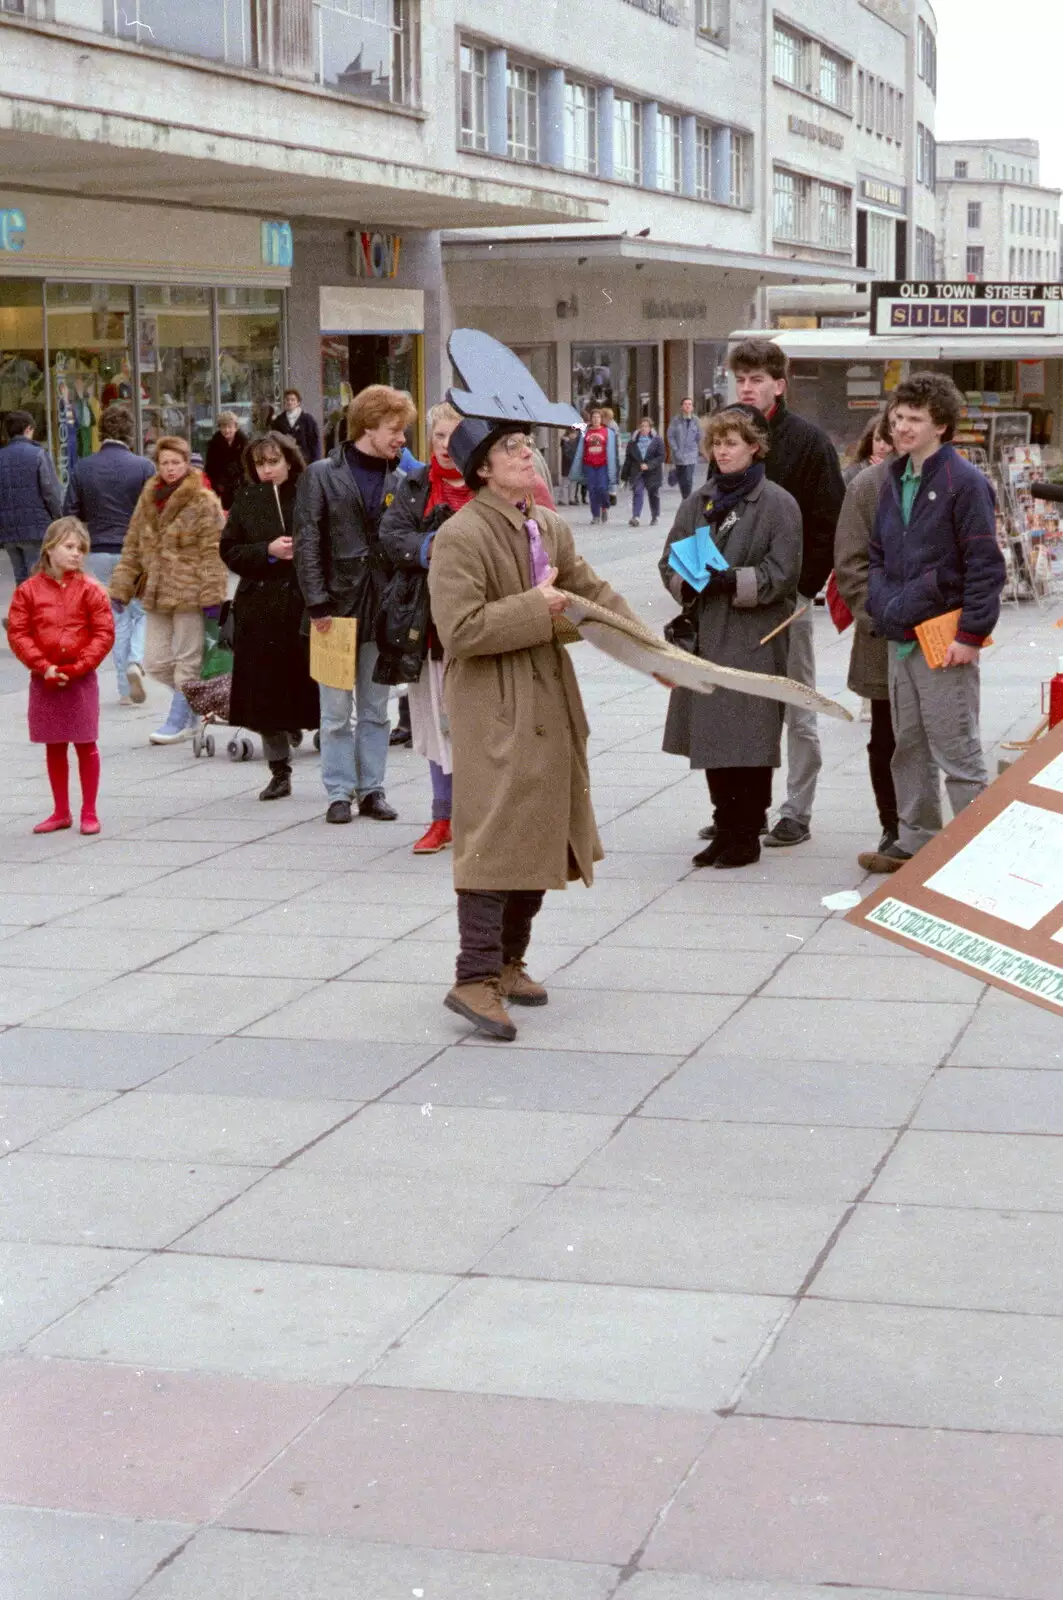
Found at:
(596, 464)
(684, 441)
(224, 461)
(933, 549)
(272, 692)
(298, 425)
(756, 526)
(30, 494)
(568, 491)
(170, 562)
(339, 504)
(643, 471)
(60, 627)
(103, 492)
(869, 657)
(522, 819)
(803, 461)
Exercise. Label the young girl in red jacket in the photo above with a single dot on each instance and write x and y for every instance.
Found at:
(60, 626)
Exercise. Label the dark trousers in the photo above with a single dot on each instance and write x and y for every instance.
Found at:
(741, 799)
(494, 927)
(879, 755)
(685, 480)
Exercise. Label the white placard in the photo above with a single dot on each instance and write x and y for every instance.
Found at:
(1051, 777)
(1013, 869)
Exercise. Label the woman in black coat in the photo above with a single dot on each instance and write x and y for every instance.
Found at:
(643, 469)
(224, 463)
(272, 689)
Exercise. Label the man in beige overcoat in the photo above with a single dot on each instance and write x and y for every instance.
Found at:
(522, 817)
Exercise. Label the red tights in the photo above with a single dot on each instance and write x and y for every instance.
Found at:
(59, 778)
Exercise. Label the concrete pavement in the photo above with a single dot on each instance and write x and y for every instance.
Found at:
(737, 1277)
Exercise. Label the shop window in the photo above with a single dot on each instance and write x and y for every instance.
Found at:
(250, 354)
(581, 127)
(669, 152)
(623, 377)
(473, 90)
(23, 380)
(713, 19)
(350, 362)
(522, 112)
(975, 261)
(176, 378)
(627, 140)
(880, 239)
(221, 30)
(974, 213)
(90, 329)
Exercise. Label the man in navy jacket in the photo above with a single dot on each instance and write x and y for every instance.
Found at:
(103, 491)
(30, 495)
(933, 550)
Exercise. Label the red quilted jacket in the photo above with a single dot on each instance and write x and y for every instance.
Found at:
(67, 625)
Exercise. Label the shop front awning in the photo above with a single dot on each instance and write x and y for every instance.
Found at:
(853, 344)
(113, 155)
(742, 268)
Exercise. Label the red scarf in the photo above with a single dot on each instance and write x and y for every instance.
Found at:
(445, 489)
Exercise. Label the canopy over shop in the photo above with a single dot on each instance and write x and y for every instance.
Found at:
(1002, 345)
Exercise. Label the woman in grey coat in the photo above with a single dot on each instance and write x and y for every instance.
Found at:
(756, 526)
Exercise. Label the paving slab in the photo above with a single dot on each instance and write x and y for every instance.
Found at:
(548, 1080)
(91, 1060)
(663, 972)
(258, 1319)
(30, 992)
(139, 1442)
(295, 1069)
(889, 1508)
(460, 1141)
(222, 1564)
(27, 1113)
(44, 1281)
(689, 1586)
(48, 1554)
(707, 1089)
(392, 1220)
(917, 1367)
(623, 1022)
(994, 1100)
(932, 1256)
(743, 1246)
(145, 1002)
(68, 949)
(245, 955)
(989, 1040)
(859, 977)
(712, 1160)
(656, 930)
(568, 1482)
(991, 1171)
(395, 1013)
(854, 1031)
(136, 1205)
(212, 1129)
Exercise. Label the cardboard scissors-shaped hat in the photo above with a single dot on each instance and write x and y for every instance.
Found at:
(500, 396)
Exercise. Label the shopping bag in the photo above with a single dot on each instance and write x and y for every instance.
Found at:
(216, 659)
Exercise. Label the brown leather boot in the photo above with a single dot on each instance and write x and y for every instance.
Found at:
(481, 1004)
(518, 987)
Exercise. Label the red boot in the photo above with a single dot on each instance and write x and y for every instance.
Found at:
(437, 838)
(59, 779)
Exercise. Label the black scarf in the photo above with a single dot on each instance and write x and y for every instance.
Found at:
(725, 490)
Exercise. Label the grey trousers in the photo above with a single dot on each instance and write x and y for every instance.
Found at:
(935, 720)
(803, 757)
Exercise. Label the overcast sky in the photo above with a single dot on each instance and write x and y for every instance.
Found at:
(1000, 73)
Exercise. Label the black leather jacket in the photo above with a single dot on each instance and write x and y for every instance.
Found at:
(338, 559)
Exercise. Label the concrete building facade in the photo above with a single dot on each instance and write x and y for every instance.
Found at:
(997, 221)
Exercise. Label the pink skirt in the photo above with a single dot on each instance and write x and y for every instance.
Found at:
(65, 716)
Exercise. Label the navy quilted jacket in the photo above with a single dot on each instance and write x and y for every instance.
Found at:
(947, 556)
(30, 496)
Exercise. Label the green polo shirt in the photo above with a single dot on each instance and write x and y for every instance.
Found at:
(910, 480)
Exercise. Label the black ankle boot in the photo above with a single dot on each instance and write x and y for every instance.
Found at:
(739, 850)
(279, 786)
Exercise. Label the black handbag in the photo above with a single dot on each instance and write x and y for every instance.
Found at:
(402, 628)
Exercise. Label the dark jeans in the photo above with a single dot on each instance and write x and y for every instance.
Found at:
(24, 553)
(741, 799)
(494, 927)
(879, 755)
(685, 479)
(598, 488)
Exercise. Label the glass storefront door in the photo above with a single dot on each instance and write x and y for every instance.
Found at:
(176, 364)
(91, 363)
(350, 362)
(621, 376)
(23, 380)
(251, 355)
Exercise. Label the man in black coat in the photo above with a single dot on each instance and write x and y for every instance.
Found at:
(338, 507)
(802, 461)
(298, 425)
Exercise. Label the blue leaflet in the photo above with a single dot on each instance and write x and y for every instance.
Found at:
(696, 557)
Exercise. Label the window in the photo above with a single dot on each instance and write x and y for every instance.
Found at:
(925, 162)
(669, 153)
(739, 150)
(627, 141)
(473, 73)
(703, 163)
(927, 57)
(974, 213)
(581, 127)
(975, 261)
(835, 76)
(789, 58)
(1037, 220)
(861, 80)
(522, 112)
(898, 132)
(924, 253)
(713, 18)
(1011, 262)
(880, 108)
(880, 243)
(959, 169)
(1013, 219)
(792, 195)
(218, 29)
(834, 229)
(704, 187)
(807, 212)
